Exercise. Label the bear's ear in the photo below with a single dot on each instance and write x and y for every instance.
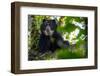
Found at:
(54, 22)
(44, 20)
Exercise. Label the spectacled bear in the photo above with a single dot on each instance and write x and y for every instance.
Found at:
(50, 39)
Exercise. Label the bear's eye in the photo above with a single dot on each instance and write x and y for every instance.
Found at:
(46, 22)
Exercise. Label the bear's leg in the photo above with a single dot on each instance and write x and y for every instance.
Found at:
(44, 44)
(58, 39)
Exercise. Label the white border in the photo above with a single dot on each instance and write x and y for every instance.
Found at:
(25, 64)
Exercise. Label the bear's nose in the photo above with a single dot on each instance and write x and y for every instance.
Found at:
(48, 28)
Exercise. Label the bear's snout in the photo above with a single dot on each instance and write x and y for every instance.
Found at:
(48, 31)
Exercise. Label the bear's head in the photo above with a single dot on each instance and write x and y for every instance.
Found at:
(48, 27)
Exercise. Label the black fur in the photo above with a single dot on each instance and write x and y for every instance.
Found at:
(50, 39)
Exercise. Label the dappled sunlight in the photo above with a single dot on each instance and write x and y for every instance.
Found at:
(73, 31)
(81, 25)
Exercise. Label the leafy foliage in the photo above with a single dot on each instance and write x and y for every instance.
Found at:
(73, 29)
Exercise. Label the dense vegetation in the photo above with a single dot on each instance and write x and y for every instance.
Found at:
(73, 29)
